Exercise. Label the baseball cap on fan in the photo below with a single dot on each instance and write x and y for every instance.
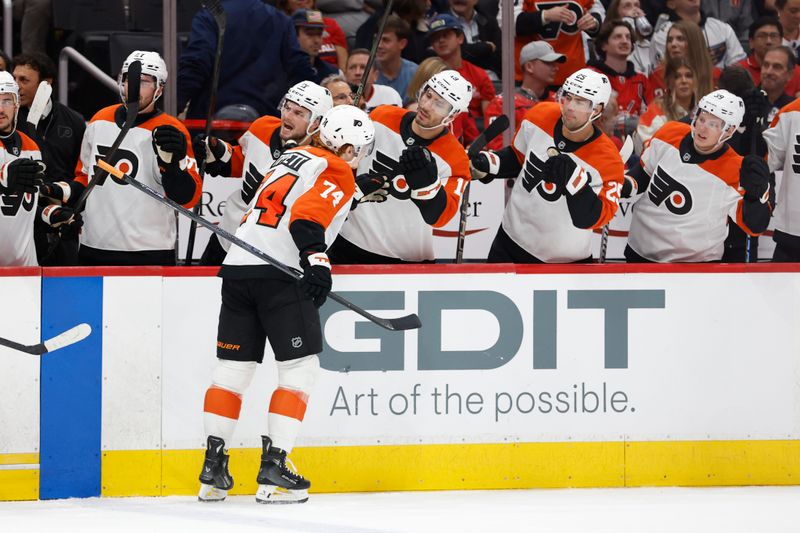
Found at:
(540, 50)
(308, 18)
(442, 22)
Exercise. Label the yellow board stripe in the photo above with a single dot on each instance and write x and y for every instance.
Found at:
(19, 458)
(19, 483)
(474, 466)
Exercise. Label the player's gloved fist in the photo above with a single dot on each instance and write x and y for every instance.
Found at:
(756, 106)
(371, 188)
(484, 166)
(169, 143)
(316, 282)
(56, 216)
(562, 170)
(22, 175)
(419, 168)
(754, 179)
(57, 192)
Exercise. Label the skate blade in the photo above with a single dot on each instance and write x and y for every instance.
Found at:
(273, 494)
(210, 493)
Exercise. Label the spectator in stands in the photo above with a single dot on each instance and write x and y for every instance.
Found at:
(334, 42)
(373, 94)
(777, 70)
(613, 46)
(764, 33)
(310, 27)
(685, 39)
(539, 66)
(561, 26)
(395, 71)
(676, 102)
(721, 41)
(261, 59)
(789, 15)
(58, 132)
(341, 92)
(36, 18)
(6, 64)
(609, 120)
(482, 36)
(738, 14)
(412, 12)
(630, 11)
(446, 38)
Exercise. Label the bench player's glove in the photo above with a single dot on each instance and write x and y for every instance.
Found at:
(316, 282)
(419, 168)
(484, 166)
(169, 143)
(561, 170)
(371, 188)
(21, 175)
(754, 179)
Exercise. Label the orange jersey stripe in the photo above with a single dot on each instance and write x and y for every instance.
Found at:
(288, 402)
(320, 204)
(222, 402)
(262, 129)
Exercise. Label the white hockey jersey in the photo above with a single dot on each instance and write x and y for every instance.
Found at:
(305, 183)
(783, 142)
(723, 45)
(18, 210)
(683, 214)
(395, 228)
(537, 217)
(258, 148)
(118, 218)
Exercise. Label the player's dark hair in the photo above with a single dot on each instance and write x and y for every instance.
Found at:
(39, 62)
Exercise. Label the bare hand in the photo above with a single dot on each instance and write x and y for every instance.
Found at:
(561, 14)
(587, 23)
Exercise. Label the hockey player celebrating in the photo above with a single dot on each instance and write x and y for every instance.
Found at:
(21, 172)
(301, 112)
(690, 182)
(130, 229)
(297, 212)
(568, 177)
(413, 180)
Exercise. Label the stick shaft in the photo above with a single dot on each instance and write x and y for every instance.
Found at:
(372, 53)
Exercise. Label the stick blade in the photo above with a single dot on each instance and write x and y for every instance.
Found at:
(495, 128)
(71, 336)
(627, 149)
(402, 323)
(134, 82)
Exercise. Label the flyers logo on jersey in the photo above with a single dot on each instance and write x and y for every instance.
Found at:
(796, 155)
(125, 160)
(533, 177)
(668, 190)
(384, 165)
(10, 204)
(551, 30)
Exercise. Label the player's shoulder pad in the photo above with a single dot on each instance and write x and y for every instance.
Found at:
(604, 156)
(28, 144)
(106, 114)
(672, 132)
(792, 106)
(544, 115)
(163, 119)
(264, 127)
(335, 166)
(389, 115)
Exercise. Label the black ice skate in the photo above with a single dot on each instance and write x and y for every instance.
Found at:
(276, 482)
(215, 480)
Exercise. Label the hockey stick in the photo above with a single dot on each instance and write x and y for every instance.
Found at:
(39, 103)
(71, 336)
(131, 110)
(497, 126)
(372, 52)
(215, 7)
(625, 154)
(395, 324)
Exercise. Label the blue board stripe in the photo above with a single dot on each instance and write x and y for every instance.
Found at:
(71, 390)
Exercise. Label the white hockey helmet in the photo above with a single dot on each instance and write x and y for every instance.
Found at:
(455, 90)
(725, 106)
(8, 85)
(346, 124)
(309, 95)
(589, 84)
(152, 64)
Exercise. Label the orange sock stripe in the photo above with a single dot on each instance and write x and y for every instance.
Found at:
(289, 403)
(222, 402)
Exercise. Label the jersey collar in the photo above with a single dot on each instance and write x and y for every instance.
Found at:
(691, 156)
(13, 144)
(119, 116)
(275, 143)
(409, 137)
(565, 145)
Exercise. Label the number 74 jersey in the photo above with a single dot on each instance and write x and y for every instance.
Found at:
(305, 183)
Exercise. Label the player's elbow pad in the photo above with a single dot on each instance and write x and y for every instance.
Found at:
(585, 208)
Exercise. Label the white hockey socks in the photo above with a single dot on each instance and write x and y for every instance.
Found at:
(223, 400)
(288, 404)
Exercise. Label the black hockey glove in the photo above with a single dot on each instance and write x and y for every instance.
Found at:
(57, 216)
(21, 175)
(756, 107)
(562, 171)
(170, 144)
(419, 168)
(754, 179)
(371, 188)
(484, 166)
(56, 192)
(316, 282)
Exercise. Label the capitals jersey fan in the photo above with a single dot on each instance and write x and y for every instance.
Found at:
(682, 215)
(116, 218)
(258, 148)
(18, 209)
(565, 38)
(537, 216)
(396, 228)
(306, 183)
(783, 142)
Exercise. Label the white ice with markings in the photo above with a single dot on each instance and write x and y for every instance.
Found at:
(655, 510)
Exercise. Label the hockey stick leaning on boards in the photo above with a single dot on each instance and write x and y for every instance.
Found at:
(394, 324)
(625, 154)
(71, 336)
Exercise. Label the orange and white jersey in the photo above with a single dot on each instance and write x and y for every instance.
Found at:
(395, 228)
(18, 210)
(258, 148)
(537, 217)
(683, 214)
(117, 217)
(305, 183)
(783, 142)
